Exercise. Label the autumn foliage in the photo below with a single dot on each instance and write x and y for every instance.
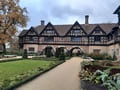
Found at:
(12, 16)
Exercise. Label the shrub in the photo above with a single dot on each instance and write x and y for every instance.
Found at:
(57, 53)
(68, 54)
(62, 56)
(114, 56)
(25, 54)
(78, 53)
(100, 56)
(48, 51)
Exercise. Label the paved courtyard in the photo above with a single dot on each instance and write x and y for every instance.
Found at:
(63, 77)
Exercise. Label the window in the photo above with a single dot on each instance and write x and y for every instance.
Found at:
(49, 39)
(76, 39)
(31, 49)
(49, 31)
(91, 39)
(97, 39)
(31, 38)
(27, 38)
(97, 31)
(96, 51)
(76, 31)
(35, 38)
(31, 33)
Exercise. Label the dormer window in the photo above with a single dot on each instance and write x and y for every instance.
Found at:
(97, 31)
(76, 31)
(49, 31)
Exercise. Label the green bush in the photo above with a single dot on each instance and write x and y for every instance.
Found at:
(57, 53)
(48, 51)
(100, 56)
(62, 56)
(25, 54)
(78, 53)
(114, 56)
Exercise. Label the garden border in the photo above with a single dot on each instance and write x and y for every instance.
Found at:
(31, 77)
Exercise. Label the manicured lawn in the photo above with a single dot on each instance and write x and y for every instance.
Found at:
(19, 70)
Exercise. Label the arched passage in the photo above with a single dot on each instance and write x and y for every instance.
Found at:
(48, 51)
(76, 51)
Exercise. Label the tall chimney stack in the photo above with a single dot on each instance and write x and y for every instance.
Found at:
(42, 22)
(87, 19)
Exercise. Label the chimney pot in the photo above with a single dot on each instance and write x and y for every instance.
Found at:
(42, 22)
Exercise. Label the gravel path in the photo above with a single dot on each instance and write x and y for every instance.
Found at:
(63, 77)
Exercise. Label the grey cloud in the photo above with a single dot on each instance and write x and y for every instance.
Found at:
(100, 11)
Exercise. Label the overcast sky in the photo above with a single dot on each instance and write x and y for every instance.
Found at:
(69, 11)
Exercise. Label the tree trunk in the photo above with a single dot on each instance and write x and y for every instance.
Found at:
(4, 48)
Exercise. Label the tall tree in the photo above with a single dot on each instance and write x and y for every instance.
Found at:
(12, 16)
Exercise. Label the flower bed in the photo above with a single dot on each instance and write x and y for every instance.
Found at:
(100, 74)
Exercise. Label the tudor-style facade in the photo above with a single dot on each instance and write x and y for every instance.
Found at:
(101, 38)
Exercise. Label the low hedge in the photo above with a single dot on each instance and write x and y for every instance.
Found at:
(10, 60)
(100, 56)
(44, 58)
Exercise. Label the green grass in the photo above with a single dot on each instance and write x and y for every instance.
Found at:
(12, 69)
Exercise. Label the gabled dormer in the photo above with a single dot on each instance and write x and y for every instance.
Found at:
(76, 30)
(49, 30)
(31, 32)
(98, 31)
(117, 11)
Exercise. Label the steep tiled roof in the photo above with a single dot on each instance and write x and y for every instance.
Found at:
(63, 29)
(23, 33)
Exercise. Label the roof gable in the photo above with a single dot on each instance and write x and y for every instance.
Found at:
(31, 32)
(76, 29)
(49, 30)
(97, 31)
(117, 11)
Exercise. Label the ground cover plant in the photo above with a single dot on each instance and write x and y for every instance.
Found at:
(105, 73)
(15, 71)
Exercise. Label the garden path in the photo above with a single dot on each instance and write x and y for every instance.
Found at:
(63, 77)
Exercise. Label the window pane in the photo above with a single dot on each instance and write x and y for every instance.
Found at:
(97, 38)
(96, 51)
(48, 39)
(31, 49)
(76, 39)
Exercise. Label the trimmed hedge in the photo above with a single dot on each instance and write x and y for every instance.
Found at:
(100, 56)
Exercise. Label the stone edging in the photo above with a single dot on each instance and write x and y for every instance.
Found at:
(31, 78)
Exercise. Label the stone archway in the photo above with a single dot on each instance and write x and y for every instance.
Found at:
(78, 51)
(48, 51)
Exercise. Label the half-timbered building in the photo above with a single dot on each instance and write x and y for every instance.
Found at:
(90, 38)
